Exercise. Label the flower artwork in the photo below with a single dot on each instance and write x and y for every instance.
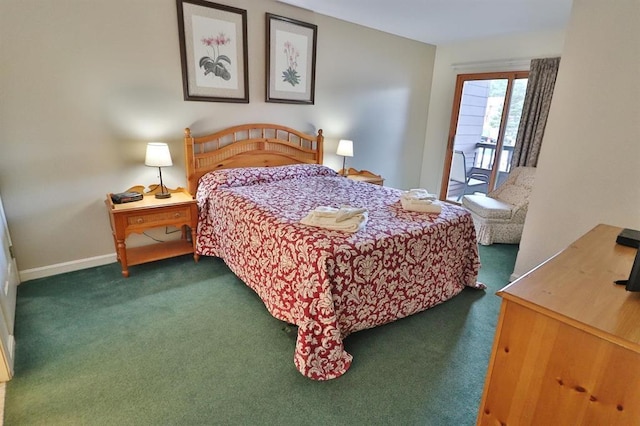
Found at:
(290, 75)
(215, 55)
(291, 60)
(215, 63)
(213, 51)
(291, 54)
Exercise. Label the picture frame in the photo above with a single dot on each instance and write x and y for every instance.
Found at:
(290, 60)
(213, 51)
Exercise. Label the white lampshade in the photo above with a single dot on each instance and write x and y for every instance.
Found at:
(158, 155)
(345, 148)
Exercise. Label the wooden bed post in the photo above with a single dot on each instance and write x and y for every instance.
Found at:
(319, 148)
(189, 160)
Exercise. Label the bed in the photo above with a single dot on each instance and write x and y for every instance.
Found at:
(254, 183)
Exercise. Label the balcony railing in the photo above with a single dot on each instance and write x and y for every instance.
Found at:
(483, 165)
(485, 157)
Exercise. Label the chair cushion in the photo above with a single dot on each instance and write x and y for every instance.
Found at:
(514, 195)
(487, 207)
(526, 176)
(516, 189)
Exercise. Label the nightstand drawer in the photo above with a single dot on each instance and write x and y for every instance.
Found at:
(159, 218)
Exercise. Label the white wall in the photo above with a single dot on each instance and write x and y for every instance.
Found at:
(86, 84)
(486, 55)
(588, 171)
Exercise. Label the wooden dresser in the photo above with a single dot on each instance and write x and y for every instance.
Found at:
(567, 344)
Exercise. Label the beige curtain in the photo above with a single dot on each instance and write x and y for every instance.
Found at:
(537, 100)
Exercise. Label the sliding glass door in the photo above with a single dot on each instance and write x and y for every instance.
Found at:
(482, 134)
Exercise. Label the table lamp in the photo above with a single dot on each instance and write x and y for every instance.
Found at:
(345, 149)
(158, 155)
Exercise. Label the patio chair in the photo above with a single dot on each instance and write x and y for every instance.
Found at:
(499, 216)
(461, 173)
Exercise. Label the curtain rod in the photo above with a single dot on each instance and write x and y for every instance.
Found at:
(520, 63)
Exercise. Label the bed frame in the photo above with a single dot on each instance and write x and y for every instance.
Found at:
(249, 145)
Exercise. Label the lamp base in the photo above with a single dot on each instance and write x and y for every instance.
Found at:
(163, 195)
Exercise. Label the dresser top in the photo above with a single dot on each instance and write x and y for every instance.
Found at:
(577, 287)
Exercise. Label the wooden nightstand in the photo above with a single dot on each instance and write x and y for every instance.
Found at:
(363, 176)
(180, 211)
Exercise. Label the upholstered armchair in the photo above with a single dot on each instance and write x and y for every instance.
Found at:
(499, 216)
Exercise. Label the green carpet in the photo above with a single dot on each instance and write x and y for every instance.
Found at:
(180, 343)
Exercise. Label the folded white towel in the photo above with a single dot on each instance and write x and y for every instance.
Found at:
(423, 206)
(325, 211)
(346, 219)
(419, 194)
(347, 212)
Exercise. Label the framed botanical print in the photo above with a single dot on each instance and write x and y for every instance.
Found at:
(291, 60)
(213, 51)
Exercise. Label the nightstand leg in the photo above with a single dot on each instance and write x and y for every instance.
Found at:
(196, 256)
(122, 257)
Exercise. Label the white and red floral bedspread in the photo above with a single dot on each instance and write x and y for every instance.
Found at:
(331, 283)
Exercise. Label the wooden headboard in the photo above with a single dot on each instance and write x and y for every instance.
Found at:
(248, 145)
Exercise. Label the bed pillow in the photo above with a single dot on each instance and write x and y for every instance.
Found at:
(270, 174)
(245, 176)
(229, 178)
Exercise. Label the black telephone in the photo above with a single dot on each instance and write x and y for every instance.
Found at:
(126, 197)
(629, 237)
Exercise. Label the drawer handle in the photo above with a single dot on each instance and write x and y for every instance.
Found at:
(176, 215)
(140, 220)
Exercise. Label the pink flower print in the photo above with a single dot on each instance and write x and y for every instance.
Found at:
(214, 64)
(290, 75)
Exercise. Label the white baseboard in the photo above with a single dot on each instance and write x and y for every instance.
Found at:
(61, 268)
